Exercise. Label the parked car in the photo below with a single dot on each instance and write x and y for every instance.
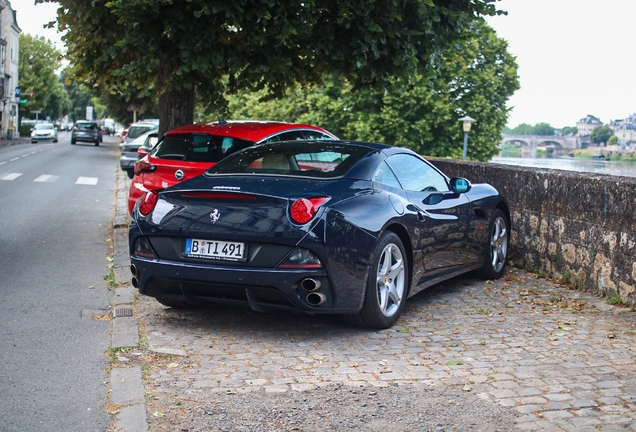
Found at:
(131, 139)
(319, 227)
(86, 131)
(187, 151)
(136, 129)
(129, 152)
(44, 132)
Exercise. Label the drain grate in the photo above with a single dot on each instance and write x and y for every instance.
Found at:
(122, 312)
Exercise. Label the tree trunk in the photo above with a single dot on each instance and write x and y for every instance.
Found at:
(176, 106)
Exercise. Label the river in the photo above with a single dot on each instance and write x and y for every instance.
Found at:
(571, 164)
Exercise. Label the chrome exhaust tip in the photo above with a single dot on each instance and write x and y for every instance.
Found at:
(310, 284)
(316, 299)
(135, 282)
(133, 269)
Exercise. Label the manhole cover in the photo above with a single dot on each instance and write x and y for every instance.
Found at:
(122, 312)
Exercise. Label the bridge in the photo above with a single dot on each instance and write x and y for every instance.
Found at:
(530, 143)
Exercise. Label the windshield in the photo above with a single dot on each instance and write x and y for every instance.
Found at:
(197, 147)
(306, 159)
(43, 126)
(138, 130)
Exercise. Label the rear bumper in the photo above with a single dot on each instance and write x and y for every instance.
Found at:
(127, 160)
(260, 289)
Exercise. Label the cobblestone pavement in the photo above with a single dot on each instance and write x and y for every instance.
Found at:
(559, 358)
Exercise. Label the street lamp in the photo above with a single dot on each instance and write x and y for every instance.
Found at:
(468, 121)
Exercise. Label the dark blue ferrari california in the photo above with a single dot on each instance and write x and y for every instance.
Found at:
(316, 226)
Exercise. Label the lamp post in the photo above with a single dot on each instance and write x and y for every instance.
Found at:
(468, 121)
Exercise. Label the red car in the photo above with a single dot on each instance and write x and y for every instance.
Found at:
(187, 151)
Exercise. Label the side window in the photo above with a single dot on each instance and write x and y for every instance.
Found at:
(316, 135)
(416, 175)
(385, 176)
(289, 136)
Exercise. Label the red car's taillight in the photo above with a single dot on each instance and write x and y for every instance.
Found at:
(142, 167)
(147, 202)
(304, 209)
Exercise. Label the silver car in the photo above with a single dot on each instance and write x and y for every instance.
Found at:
(44, 132)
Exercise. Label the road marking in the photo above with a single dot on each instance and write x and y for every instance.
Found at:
(10, 176)
(46, 178)
(14, 159)
(26, 155)
(2, 163)
(92, 181)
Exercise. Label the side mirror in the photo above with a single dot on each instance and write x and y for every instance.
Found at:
(460, 185)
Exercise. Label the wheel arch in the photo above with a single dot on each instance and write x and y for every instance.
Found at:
(402, 233)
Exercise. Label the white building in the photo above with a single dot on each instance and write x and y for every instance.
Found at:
(9, 50)
(586, 125)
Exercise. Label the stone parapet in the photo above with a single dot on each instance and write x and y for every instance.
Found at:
(580, 227)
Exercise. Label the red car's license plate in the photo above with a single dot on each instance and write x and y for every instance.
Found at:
(214, 249)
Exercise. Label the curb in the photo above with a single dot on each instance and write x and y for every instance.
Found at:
(128, 392)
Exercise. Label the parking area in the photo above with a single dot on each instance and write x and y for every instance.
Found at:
(555, 357)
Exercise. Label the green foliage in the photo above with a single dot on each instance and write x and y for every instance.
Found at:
(37, 62)
(601, 134)
(613, 140)
(219, 45)
(475, 78)
(543, 129)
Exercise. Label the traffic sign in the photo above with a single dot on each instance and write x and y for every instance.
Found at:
(23, 101)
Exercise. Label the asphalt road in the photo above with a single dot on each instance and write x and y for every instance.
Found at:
(56, 205)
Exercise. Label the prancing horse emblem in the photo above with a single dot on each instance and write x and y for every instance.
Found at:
(214, 216)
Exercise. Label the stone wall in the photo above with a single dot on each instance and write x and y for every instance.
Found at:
(580, 227)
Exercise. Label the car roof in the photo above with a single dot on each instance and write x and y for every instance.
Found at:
(253, 130)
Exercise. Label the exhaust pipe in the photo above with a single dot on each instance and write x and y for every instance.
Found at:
(316, 299)
(310, 284)
(133, 269)
(135, 282)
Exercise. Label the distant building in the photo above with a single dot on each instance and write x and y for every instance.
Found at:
(586, 125)
(9, 50)
(625, 130)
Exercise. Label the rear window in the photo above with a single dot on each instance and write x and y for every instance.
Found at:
(138, 130)
(197, 147)
(86, 126)
(309, 159)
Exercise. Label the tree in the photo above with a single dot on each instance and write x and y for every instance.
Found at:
(219, 45)
(38, 61)
(613, 140)
(600, 134)
(523, 129)
(543, 129)
(476, 78)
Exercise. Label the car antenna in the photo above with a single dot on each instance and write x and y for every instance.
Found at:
(222, 122)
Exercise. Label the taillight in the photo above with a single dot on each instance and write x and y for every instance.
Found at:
(142, 167)
(304, 209)
(147, 202)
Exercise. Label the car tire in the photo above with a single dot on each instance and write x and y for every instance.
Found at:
(130, 172)
(97, 143)
(175, 303)
(33, 142)
(73, 142)
(54, 140)
(496, 247)
(387, 285)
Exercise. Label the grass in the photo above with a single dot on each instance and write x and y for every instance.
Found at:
(615, 300)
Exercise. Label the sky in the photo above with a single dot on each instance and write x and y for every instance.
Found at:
(575, 57)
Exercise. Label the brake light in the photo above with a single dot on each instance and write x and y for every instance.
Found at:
(147, 202)
(142, 167)
(304, 209)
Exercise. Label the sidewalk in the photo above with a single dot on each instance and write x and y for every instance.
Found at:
(559, 359)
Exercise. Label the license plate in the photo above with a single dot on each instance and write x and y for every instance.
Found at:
(214, 249)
